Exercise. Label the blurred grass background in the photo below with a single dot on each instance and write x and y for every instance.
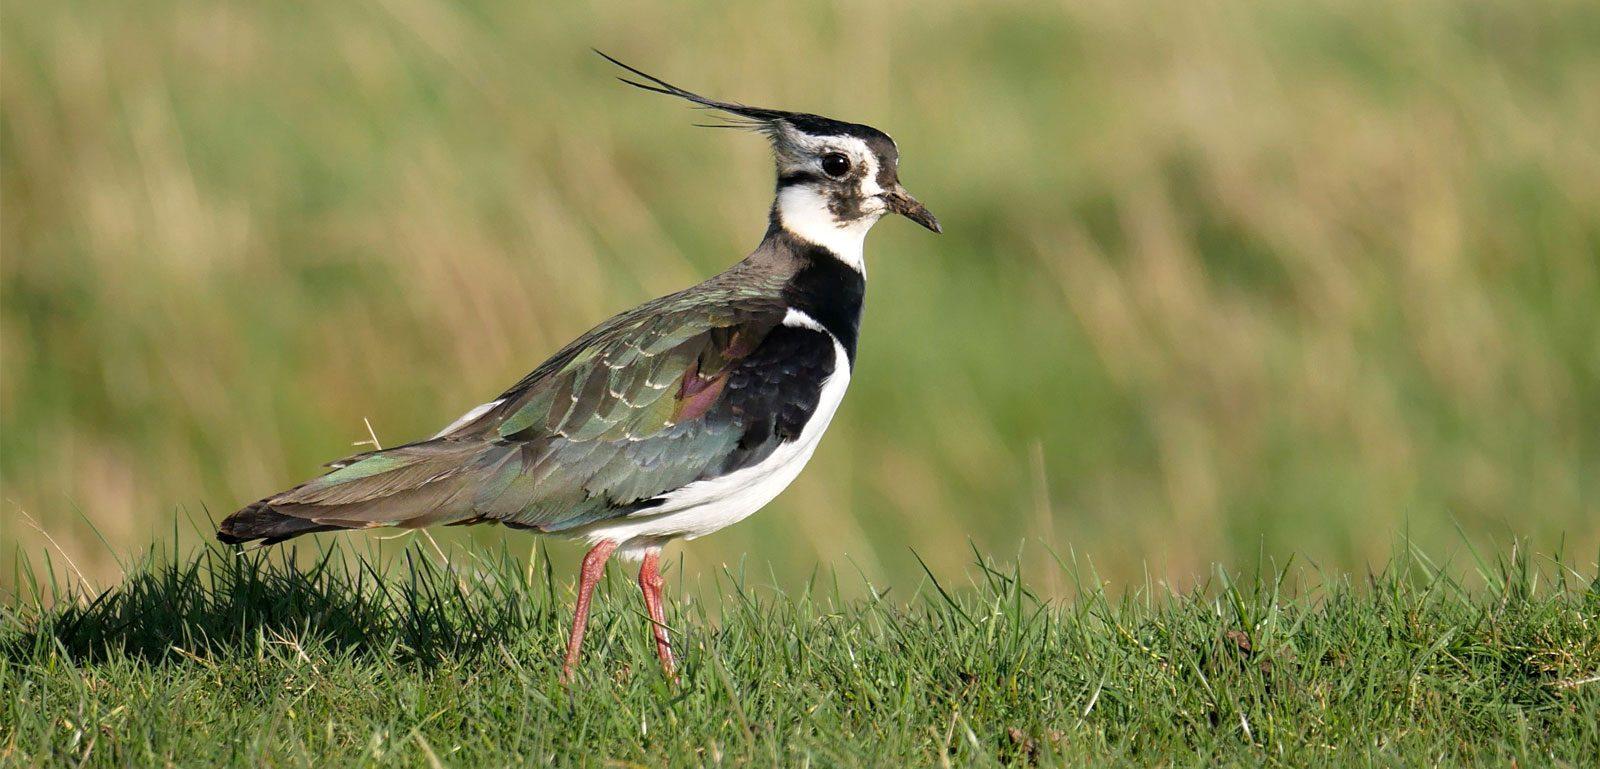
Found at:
(1220, 279)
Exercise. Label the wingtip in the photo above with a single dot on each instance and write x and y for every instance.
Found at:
(260, 522)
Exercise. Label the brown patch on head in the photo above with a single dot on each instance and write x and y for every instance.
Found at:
(888, 156)
(802, 143)
(846, 201)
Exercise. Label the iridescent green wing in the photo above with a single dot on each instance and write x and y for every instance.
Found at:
(618, 418)
(629, 411)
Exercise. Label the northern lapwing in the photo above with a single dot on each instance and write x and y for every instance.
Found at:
(674, 419)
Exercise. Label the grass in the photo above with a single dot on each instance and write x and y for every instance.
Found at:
(1218, 278)
(217, 659)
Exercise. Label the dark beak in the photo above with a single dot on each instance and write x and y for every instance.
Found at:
(903, 204)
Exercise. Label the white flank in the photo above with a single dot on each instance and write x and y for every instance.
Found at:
(477, 411)
(705, 506)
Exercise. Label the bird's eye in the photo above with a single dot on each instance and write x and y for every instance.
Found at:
(835, 165)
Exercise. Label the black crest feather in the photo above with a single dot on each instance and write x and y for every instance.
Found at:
(757, 118)
(754, 118)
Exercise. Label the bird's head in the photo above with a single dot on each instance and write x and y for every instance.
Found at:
(835, 179)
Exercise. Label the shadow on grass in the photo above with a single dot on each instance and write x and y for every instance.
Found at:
(220, 600)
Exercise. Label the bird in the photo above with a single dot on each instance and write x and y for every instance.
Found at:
(669, 421)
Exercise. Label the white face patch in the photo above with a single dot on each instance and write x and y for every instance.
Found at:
(804, 211)
(803, 208)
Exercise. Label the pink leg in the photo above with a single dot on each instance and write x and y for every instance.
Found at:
(594, 566)
(650, 583)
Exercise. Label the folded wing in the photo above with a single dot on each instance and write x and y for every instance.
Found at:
(634, 409)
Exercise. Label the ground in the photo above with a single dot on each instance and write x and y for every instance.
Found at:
(219, 659)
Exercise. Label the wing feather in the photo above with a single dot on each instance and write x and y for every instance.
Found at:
(612, 420)
(620, 422)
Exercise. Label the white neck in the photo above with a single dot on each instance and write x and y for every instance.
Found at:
(805, 214)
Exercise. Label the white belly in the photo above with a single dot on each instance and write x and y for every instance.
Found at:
(706, 506)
